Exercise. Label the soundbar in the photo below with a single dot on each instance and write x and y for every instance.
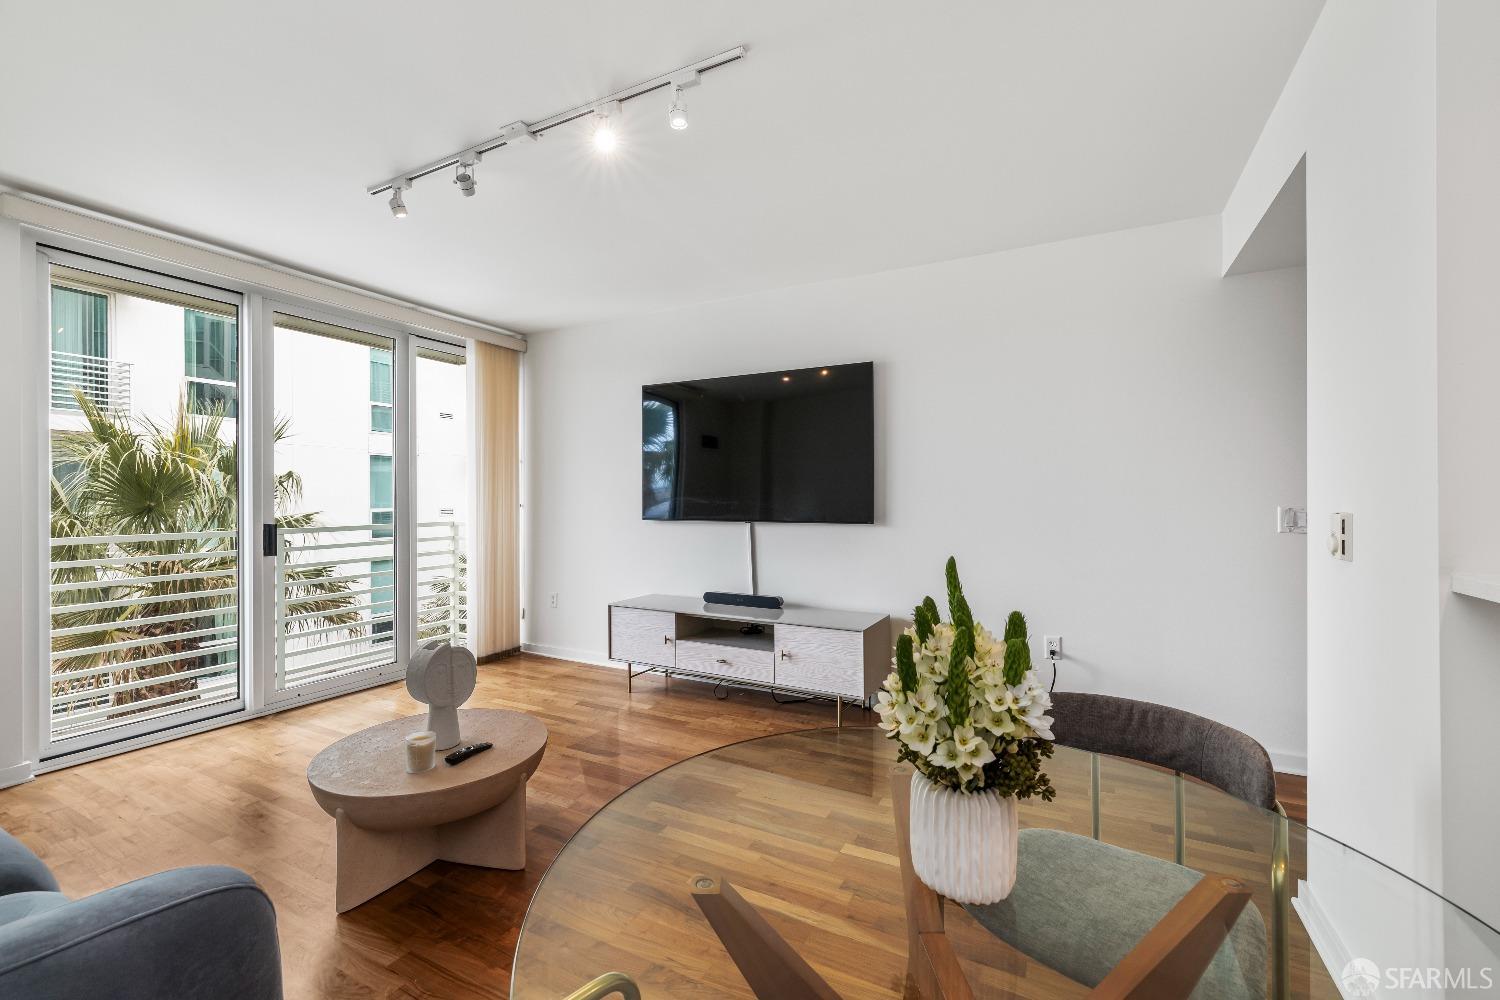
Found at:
(743, 600)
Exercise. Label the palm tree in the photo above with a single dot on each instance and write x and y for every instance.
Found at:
(154, 509)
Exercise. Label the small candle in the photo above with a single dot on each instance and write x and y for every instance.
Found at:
(421, 751)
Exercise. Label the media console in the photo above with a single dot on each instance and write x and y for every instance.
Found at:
(842, 655)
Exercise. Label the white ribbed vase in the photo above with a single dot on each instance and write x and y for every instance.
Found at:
(963, 844)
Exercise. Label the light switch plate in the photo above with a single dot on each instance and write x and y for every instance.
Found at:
(1341, 535)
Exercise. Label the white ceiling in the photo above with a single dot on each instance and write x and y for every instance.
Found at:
(857, 136)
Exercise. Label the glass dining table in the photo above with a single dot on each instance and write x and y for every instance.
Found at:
(801, 824)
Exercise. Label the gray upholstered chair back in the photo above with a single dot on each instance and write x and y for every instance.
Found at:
(1168, 737)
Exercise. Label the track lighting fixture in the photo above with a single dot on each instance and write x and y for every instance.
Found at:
(463, 176)
(602, 115)
(677, 114)
(605, 138)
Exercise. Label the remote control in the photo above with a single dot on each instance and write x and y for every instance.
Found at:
(464, 753)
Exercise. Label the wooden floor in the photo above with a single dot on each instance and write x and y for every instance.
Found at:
(239, 796)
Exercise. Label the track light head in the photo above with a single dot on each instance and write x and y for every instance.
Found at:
(677, 114)
(606, 139)
(463, 176)
(398, 206)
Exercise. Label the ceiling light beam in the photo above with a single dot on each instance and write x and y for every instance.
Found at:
(519, 133)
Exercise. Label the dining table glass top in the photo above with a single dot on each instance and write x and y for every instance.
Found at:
(802, 825)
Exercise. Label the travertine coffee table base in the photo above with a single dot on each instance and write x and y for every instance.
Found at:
(390, 825)
(371, 861)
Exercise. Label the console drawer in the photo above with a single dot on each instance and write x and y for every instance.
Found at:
(820, 659)
(644, 637)
(725, 661)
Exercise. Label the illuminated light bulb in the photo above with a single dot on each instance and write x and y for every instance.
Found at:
(606, 140)
(677, 114)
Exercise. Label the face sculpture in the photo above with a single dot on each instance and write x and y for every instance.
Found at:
(442, 677)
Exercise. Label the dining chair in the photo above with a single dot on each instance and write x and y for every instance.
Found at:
(1175, 956)
(1126, 925)
(1185, 744)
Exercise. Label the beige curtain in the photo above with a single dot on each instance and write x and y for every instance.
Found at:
(497, 493)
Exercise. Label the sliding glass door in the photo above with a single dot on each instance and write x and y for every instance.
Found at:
(144, 495)
(249, 503)
(338, 606)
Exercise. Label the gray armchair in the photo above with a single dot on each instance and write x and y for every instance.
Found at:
(186, 934)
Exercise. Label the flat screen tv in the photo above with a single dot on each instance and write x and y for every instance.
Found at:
(789, 445)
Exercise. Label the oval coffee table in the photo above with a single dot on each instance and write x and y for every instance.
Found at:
(392, 824)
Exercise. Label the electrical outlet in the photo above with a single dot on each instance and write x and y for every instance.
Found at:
(553, 600)
(1054, 647)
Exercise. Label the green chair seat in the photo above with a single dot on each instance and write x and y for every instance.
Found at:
(1079, 906)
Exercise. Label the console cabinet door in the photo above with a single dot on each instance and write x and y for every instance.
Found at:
(644, 637)
(820, 659)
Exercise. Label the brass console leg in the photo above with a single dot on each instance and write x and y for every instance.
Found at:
(1180, 790)
(1094, 790)
(838, 711)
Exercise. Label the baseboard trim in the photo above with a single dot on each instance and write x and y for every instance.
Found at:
(1320, 931)
(588, 656)
(1289, 763)
(16, 774)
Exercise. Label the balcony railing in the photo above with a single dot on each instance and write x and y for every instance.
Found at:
(144, 626)
(336, 597)
(141, 626)
(102, 381)
(442, 591)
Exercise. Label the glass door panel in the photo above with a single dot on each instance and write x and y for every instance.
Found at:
(335, 502)
(441, 436)
(144, 499)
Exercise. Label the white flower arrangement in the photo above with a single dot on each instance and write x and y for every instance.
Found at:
(965, 708)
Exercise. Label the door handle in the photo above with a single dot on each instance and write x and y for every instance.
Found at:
(666, 639)
(785, 655)
(268, 539)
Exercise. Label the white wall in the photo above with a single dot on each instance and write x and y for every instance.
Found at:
(1468, 258)
(1100, 430)
(1361, 106)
